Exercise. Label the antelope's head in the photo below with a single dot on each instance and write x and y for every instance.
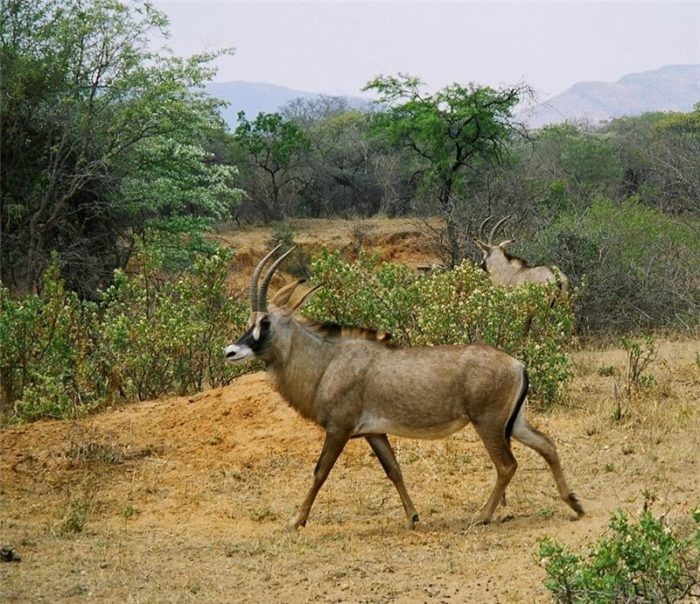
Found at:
(493, 253)
(257, 339)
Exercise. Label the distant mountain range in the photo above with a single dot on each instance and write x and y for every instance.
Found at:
(253, 98)
(256, 97)
(671, 88)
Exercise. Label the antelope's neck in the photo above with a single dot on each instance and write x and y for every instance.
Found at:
(501, 269)
(299, 361)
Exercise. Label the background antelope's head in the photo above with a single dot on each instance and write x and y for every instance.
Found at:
(493, 253)
(512, 271)
(256, 341)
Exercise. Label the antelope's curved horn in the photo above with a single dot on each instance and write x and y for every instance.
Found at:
(254, 298)
(481, 228)
(268, 277)
(495, 228)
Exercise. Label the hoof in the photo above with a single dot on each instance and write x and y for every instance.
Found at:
(294, 524)
(412, 521)
(575, 504)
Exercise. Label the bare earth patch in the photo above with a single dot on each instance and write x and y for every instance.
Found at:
(401, 240)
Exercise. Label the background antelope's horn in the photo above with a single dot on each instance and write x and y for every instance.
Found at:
(495, 228)
(254, 298)
(481, 228)
(268, 277)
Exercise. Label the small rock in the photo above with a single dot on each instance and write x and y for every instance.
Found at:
(8, 554)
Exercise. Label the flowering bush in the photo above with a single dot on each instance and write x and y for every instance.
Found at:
(44, 350)
(149, 335)
(153, 333)
(165, 336)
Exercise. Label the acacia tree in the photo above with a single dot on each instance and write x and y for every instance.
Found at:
(272, 145)
(101, 137)
(449, 134)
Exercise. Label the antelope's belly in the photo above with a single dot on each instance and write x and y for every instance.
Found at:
(373, 424)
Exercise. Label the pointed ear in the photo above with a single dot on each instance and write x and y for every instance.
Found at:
(482, 246)
(281, 298)
(299, 297)
(503, 244)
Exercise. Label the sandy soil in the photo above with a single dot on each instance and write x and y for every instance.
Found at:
(188, 499)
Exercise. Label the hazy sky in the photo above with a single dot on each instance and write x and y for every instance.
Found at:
(336, 47)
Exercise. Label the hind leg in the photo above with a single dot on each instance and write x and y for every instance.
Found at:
(502, 457)
(523, 432)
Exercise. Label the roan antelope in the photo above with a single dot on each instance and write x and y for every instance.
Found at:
(512, 271)
(353, 384)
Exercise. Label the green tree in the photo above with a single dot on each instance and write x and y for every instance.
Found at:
(449, 134)
(101, 137)
(572, 167)
(632, 137)
(346, 172)
(659, 153)
(343, 167)
(272, 145)
(679, 159)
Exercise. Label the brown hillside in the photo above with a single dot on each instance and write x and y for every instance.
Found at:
(398, 240)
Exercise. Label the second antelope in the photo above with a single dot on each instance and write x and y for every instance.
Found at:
(353, 384)
(512, 271)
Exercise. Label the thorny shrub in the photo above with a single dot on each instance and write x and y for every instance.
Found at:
(644, 562)
(641, 353)
(640, 265)
(456, 306)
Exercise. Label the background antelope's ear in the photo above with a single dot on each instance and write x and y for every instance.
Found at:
(300, 296)
(283, 295)
(505, 243)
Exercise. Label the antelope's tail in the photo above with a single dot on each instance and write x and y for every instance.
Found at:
(517, 407)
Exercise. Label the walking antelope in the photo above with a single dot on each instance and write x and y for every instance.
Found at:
(511, 271)
(355, 385)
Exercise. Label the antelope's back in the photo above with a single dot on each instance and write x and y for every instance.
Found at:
(420, 387)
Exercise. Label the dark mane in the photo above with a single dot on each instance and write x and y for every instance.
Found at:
(517, 259)
(330, 329)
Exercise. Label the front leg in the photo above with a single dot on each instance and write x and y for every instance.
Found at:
(332, 447)
(382, 449)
